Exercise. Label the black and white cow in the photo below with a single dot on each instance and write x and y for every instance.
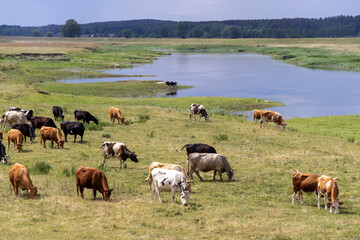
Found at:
(119, 150)
(58, 112)
(72, 128)
(198, 109)
(85, 116)
(26, 129)
(3, 157)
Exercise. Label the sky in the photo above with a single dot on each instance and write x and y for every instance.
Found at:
(45, 12)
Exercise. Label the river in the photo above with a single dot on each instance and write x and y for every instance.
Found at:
(305, 92)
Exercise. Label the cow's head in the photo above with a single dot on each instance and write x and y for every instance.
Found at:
(335, 205)
(96, 121)
(133, 157)
(106, 194)
(19, 147)
(61, 143)
(32, 191)
(207, 118)
(283, 126)
(5, 159)
(231, 175)
(122, 119)
(184, 196)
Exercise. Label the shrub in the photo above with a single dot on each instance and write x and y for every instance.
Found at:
(143, 118)
(128, 122)
(105, 135)
(70, 172)
(221, 137)
(351, 139)
(151, 135)
(41, 168)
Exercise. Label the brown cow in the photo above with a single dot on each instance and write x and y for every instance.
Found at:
(94, 179)
(53, 134)
(170, 167)
(257, 114)
(271, 116)
(17, 138)
(328, 188)
(19, 177)
(303, 182)
(116, 114)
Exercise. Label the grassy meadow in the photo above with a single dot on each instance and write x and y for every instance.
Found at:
(256, 205)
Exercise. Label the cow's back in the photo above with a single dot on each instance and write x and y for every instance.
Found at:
(20, 174)
(84, 176)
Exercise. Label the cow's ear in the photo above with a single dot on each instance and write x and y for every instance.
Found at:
(111, 190)
(341, 203)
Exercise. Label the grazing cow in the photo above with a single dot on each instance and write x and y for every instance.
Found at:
(328, 188)
(52, 134)
(19, 177)
(94, 179)
(257, 114)
(3, 157)
(170, 181)
(17, 138)
(72, 128)
(170, 167)
(198, 147)
(207, 162)
(271, 116)
(116, 114)
(11, 117)
(197, 109)
(38, 122)
(303, 182)
(112, 149)
(57, 112)
(28, 113)
(25, 129)
(85, 116)
(171, 83)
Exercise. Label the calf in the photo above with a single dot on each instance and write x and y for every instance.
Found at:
(52, 134)
(85, 116)
(257, 114)
(303, 182)
(57, 112)
(19, 177)
(170, 180)
(3, 157)
(328, 188)
(116, 114)
(209, 162)
(72, 128)
(271, 116)
(25, 129)
(17, 138)
(112, 149)
(170, 167)
(197, 109)
(38, 122)
(94, 179)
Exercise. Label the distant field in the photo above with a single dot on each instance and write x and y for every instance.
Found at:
(257, 205)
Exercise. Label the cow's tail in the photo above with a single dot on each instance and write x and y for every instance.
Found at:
(181, 149)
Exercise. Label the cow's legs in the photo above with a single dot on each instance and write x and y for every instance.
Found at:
(190, 174)
(75, 138)
(16, 189)
(198, 174)
(44, 143)
(220, 174)
(52, 144)
(65, 137)
(318, 200)
(81, 138)
(104, 162)
(172, 195)
(214, 174)
(325, 202)
(94, 191)
(81, 191)
(293, 197)
(8, 144)
(301, 197)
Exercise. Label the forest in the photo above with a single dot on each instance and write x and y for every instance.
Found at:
(337, 26)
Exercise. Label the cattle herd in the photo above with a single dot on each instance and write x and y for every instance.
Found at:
(164, 176)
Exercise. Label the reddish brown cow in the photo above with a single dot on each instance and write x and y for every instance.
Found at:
(116, 114)
(52, 134)
(19, 177)
(17, 138)
(94, 179)
(328, 188)
(303, 182)
(271, 116)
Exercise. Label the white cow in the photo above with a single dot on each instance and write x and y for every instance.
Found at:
(170, 181)
(11, 117)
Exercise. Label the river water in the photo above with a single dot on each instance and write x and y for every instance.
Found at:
(305, 92)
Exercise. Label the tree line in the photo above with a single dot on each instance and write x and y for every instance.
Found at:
(338, 26)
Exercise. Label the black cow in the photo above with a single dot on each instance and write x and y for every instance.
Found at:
(198, 148)
(3, 157)
(171, 83)
(85, 116)
(72, 128)
(25, 129)
(38, 122)
(58, 112)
